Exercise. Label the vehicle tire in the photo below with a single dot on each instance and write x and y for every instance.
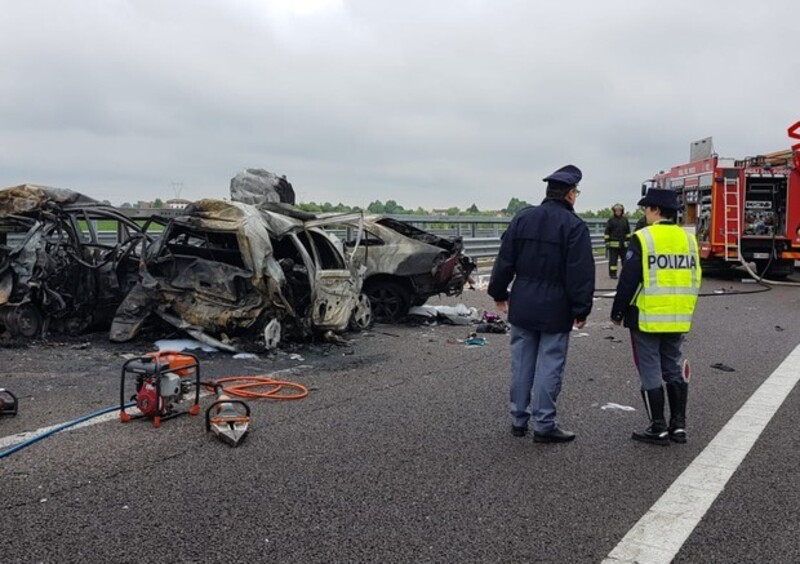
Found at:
(777, 270)
(362, 318)
(390, 301)
(716, 268)
(28, 320)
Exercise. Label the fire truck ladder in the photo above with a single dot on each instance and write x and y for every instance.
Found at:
(733, 221)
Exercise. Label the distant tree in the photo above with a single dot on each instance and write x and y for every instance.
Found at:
(157, 203)
(125, 205)
(454, 211)
(393, 207)
(421, 211)
(376, 207)
(473, 209)
(514, 205)
(311, 207)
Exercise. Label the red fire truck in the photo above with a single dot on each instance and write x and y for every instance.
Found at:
(744, 210)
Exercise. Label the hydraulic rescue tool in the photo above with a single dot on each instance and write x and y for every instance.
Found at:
(8, 402)
(163, 379)
(228, 418)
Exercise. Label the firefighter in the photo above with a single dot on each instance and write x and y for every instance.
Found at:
(547, 253)
(617, 235)
(655, 299)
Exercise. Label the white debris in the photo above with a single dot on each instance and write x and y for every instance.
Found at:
(617, 407)
(178, 345)
(245, 356)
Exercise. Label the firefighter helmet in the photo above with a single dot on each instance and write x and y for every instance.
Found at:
(618, 207)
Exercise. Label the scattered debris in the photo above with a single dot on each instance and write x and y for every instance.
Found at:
(613, 339)
(492, 323)
(779, 328)
(453, 315)
(245, 356)
(179, 345)
(471, 341)
(723, 367)
(8, 403)
(618, 407)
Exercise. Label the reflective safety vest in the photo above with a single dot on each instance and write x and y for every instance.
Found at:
(671, 278)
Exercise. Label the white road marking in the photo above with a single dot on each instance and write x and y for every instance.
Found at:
(660, 533)
(12, 440)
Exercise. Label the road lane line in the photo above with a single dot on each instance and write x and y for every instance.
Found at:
(12, 440)
(658, 536)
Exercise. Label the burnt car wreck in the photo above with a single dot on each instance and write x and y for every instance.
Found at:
(255, 270)
(57, 273)
(406, 265)
(229, 272)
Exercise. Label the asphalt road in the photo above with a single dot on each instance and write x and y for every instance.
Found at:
(401, 452)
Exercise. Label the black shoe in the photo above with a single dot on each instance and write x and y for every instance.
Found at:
(652, 436)
(519, 431)
(555, 436)
(677, 435)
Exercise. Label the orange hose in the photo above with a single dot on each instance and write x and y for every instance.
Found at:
(243, 390)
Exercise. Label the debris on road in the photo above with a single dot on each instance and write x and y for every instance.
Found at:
(617, 407)
(723, 367)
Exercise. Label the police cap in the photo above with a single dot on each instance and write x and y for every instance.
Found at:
(660, 198)
(569, 175)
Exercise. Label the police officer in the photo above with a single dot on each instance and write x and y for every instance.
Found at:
(617, 235)
(547, 253)
(656, 297)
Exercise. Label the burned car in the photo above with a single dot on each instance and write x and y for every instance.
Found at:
(406, 265)
(58, 272)
(228, 271)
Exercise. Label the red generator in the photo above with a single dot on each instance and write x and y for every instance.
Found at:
(162, 381)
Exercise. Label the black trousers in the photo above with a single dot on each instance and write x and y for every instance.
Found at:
(615, 254)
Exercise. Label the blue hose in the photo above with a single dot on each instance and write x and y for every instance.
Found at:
(20, 446)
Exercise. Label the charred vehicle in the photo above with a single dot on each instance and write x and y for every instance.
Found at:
(58, 272)
(229, 270)
(406, 265)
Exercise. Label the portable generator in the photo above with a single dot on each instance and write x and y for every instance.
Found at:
(163, 379)
(8, 403)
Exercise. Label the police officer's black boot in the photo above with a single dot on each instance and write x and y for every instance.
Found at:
(657, 432)
(677, 393)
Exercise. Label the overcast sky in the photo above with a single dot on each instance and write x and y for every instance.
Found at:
(432, 103)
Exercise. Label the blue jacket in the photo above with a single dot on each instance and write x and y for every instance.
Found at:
(629, 282)
(547, 252)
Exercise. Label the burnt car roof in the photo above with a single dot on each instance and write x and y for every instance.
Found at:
(31, 197)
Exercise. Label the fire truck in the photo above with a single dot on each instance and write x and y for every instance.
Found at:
(741, 210)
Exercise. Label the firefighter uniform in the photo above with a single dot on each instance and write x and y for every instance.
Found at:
(616, 237)
(656, 298)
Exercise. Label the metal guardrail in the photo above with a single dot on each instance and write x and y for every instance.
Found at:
(481, 234)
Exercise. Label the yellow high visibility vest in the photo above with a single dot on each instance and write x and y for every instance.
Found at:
(671, 278)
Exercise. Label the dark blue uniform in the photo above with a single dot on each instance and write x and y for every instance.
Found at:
(547, 253)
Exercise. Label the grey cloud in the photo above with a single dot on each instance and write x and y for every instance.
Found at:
(427, 103)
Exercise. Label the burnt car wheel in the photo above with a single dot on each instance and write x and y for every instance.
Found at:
(390, 300)
(362, 317)
(27, 321)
